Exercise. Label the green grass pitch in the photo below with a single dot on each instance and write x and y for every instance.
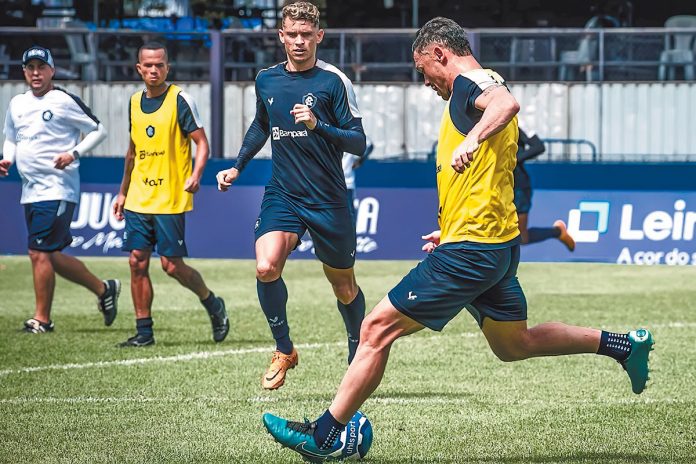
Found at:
(72, 396)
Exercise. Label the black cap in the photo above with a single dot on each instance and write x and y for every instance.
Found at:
(38, 53)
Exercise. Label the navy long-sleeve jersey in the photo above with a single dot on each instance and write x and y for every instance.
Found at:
(306, 163)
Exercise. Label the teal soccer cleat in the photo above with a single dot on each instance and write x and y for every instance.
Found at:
(299, 437)
(636, 365)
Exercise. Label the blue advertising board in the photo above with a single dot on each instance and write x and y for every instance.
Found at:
(611, 220)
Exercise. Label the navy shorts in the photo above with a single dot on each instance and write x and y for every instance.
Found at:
(331, 229)
(455, 276)
(145, 231)
(523, 200)
(48, 223)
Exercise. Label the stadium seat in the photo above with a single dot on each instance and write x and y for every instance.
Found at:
(679, 48)
(585, 55)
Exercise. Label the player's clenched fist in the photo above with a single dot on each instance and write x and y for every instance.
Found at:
(226, 178)
(464, 154)
(304, 115)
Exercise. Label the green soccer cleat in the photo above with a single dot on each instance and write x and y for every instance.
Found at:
(636, 365)
(299, 437)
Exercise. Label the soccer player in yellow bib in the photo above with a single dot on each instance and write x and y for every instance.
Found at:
(472, 260)
(157, 190)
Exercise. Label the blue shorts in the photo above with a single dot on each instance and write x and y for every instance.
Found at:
(455, 276)
(48, 223)
(166, 231)
(331, 229)
(523, 200)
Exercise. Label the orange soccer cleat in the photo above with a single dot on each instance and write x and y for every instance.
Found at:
(274, 377)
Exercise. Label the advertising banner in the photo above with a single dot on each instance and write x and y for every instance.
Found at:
(625, 227)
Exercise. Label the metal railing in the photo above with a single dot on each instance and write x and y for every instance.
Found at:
(374, 55)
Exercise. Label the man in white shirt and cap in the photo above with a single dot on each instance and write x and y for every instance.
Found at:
(43, 130)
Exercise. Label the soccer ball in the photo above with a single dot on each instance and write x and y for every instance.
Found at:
(355, 439)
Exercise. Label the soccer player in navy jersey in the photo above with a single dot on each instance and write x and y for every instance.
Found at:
(472, 260)
(309, 109)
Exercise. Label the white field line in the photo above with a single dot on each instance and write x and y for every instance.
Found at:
(216, 354)
(155, 359)
(175, 358)
(523, 402)
(432, 401)
(674, 325)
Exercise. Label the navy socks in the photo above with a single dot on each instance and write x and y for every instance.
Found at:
(211, 304)
(614, 345)
(273, 297)
(539, 234)
(327, 431)
(144, 326)
(353, 314)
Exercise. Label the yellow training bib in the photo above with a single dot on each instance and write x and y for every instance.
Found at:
(476, 205)
(162, 159)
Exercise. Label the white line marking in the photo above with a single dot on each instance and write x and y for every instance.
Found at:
(522, 402)
(674, 325)
(157, 359)
(379, 400)
(216, 354)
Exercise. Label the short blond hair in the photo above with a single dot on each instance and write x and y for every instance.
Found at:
(301, 11)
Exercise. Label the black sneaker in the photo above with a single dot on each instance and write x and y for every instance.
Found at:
(138, 341)
(220, 322)
(108, 302)
(35, 326)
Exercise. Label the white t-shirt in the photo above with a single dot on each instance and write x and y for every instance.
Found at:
(41, 128)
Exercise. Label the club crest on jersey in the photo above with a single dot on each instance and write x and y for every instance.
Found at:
(309, 100)
(150, 131)
(47, 115)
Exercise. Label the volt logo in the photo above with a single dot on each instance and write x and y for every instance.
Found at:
(598, 208)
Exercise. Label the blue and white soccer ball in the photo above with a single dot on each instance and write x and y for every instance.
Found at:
(355, 439)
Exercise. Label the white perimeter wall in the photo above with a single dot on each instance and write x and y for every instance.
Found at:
(655, 121)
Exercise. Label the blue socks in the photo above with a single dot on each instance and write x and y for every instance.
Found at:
(539, 234)
(144, 326)
(353, 314)
(273, 297)
(211, 304)
(614, 345)
(327, 431)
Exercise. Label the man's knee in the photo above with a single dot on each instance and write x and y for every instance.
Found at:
(138, 263)
(515, 349)
(38, 256)
(375, 334)
(345, 291)
(172, 267)
(267, 271)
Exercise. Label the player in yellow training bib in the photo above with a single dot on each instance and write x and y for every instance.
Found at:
(157, 189)
(472, 260)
